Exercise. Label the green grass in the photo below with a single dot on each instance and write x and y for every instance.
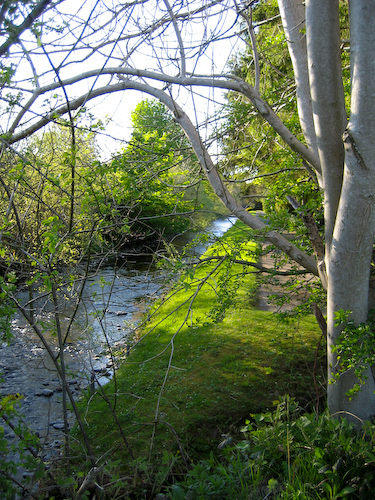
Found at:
(191, 379)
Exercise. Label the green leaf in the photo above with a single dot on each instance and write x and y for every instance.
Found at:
(346, 491)
(177, 493)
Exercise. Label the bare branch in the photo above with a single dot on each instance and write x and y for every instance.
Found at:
(314, 237)
(261, 176)
(249, 23)
(227, 82)
(179, 38)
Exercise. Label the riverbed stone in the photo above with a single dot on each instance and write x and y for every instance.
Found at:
(100, 368)
(58, 425)
(47, 393)
(27, 474)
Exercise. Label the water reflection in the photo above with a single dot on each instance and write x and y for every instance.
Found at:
(213, 231)
(112, 303)
(114, 298)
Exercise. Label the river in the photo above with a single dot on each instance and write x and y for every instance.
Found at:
(106, 318)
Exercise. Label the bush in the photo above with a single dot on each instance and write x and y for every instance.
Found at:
(287, 455)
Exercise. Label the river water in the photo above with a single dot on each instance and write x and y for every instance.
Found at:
(113, 300)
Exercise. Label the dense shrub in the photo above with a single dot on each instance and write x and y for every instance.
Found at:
(288, 454)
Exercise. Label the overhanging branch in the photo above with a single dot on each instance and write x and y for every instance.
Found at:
(204, 158)
(220, 81)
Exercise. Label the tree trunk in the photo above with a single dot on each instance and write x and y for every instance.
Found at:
(328, 101)
(293, 18)
(353, 237)
(348, 285)
(348, 190)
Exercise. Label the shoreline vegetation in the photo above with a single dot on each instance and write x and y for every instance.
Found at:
(205, 359)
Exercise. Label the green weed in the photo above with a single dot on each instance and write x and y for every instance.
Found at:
(289, 454)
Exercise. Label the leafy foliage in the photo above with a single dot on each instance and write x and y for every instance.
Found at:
(355, 348)
(67, 200)
(16, 453)
(153, 185)
(252, 149)
(7, 285)
(288, 454)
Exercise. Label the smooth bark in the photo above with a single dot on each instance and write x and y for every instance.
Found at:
(328, 102)
(348, 285)
(293, 19)
(353, 237)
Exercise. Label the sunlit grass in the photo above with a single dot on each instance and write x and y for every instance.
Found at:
(189, 379)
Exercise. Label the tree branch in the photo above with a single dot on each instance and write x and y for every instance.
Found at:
(33, 16)
(293, 19)
(221, 81)
(179, 38)
(204, 158)
(314, 237)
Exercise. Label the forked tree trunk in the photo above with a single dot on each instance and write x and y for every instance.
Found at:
(353, 237)
(348, 171)
(293, 19)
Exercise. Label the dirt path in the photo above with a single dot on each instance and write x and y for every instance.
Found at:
(265, 290)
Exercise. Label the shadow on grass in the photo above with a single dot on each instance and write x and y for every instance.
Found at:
(191, 379)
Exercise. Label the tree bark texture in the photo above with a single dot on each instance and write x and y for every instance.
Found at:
(348, 170)
(349, 260)
(328, 101)
(293, 19)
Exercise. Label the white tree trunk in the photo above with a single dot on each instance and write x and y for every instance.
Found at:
(348, 191)
(348, 285)
(353, 237)
(348, 271)
(293, 19)
(328, 101)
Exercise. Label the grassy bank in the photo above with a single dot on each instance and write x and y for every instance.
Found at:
(206, 359)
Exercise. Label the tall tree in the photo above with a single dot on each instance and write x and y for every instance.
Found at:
(150, 176)
(169, 52)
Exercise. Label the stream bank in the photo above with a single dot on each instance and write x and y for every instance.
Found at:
(26, 368)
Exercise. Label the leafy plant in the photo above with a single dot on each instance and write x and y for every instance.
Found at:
(7, 284)
(355, 348)
(21, 452)
(289, 454)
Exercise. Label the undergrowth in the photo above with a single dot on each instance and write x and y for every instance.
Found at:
(287, 454)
